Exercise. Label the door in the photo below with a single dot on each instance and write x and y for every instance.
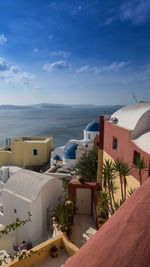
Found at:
(83, 200)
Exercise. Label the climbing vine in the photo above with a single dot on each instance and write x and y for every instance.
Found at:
(19, 254)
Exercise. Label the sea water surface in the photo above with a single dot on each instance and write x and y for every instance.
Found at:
(63, 123)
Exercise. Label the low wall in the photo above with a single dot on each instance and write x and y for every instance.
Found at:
(43, 250)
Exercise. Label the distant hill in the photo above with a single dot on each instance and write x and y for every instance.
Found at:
(13, 107)
(118, 106)
(49, 106)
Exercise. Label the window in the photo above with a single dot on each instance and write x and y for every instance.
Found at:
(35, 152)
(115, 143)
(137, 155)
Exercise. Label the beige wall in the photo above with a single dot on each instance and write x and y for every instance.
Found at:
(82, 149)
(17, 152)
(100, 166)
(131, 181)
(5, 157)
(43, 250)
(22, 151)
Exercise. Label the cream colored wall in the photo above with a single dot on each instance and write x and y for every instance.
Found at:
(17, 152)
(5, 157)
(29, 158)
(43, 152)
(43, 250)
(131, 181)
(50, 146)
(82, 149)
(100, 165)
(22, 152)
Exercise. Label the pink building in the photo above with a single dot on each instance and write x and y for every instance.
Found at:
(127, 136)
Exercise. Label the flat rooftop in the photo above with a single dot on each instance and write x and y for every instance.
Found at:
(34, 141)
(33, 138)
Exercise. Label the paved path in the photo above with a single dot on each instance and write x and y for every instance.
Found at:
(83, 229)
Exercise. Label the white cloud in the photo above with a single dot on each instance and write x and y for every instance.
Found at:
(58, 65)
(15, 69)
(3, 39)
(138, 11)
(115, 67)
(145, 73)
(36, 50)
(83, 69)
(3, 65)
(61, 53)
(11, 73)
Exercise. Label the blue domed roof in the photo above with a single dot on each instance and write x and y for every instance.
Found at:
(92, 126)
(70, 151)
(56, 157)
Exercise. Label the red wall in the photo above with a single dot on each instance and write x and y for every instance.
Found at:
(125, 149)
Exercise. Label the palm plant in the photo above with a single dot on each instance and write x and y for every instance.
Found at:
(117, 168)
(108, 175)
(141, 165)
(131, 191)
(104, 205)
(63, 215)
(125, 171)
(118, 204)
(113, 189)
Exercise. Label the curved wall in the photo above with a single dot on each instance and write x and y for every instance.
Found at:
(142, 126)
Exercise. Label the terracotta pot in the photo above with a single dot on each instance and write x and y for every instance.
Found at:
(54, 252)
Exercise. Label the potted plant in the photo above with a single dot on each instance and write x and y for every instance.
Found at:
(81, 180)
(54, 251)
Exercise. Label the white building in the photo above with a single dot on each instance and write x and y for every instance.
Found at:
(6, 241)
(5, 174)
(7, 171)
(28, 191)
(72, 151)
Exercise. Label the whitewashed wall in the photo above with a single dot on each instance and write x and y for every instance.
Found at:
(89, 134)
(13, 202)
(36, 230)
(49, 197)
(6, 241)
(71, 163)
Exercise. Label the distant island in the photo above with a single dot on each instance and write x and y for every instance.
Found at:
(12, 107)
(49, 106)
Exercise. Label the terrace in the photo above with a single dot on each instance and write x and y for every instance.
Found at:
(42, 258)
(83, 229)
(55, 262)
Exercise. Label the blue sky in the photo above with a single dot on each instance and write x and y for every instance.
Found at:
(74, 52)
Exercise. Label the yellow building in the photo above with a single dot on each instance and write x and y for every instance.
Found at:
(27, 151)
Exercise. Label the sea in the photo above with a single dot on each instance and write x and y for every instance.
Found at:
(63, 123)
